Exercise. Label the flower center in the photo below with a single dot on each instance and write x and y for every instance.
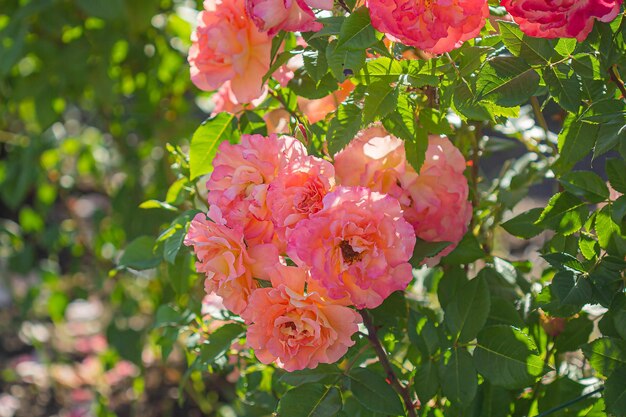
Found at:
(350, 256)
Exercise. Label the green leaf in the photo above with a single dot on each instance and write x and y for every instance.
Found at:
(615, 393)
(507, 81)
(565, 213)
(606, 354)
(524, 225)
(467, 313)
(575, 334)
(424, 249)
(322, 372)
(315, 63)
(507, 357)
(459, 381)
(310, 400)
(416, 147)
(374, 393)
(151, 204)
(426, 381)
(567, 91)
(565, 46)
(616, 171)
(585, 184)
(381, 99)
(356, 31)
(572, 291)
(344, 62)
(533, 50)
(467, 251)
(576, 140)
(207, 138)
(219, 342)
(343, 127)
(139, 254)
(609, 233)
(381, 69)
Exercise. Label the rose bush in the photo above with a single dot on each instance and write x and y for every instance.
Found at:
(362, 219)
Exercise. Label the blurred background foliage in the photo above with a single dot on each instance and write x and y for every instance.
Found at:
(90, 93)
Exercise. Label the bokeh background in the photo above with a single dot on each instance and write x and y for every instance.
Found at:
(91, 91)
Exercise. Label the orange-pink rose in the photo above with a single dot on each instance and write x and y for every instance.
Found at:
(357, 246)
(561, 18)
(227, 46)
(294, 328)
(240, 178)
(297, 192)
(230, 266)
(288, 15)
(433, 202)
(434, 26)
(439, 209)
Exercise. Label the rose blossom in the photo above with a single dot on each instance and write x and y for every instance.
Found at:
(358, 245)
(434, 202)
(228, 264)
(434, 26)
(317, 109)
(227, 46)
(288, 15)
(240, 178)
(224, 100)
(439, 210)
(298, 191)
(561, 18)
(296, 329)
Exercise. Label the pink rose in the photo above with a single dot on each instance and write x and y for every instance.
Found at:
(434, 26)
(373, 159)
(561, 18)
(433, 202)
(295, 329)
(228, 264)
(289, 15)
(358, 245)
(297, 192)
(240, 178)
(227, 46)
(439, 209)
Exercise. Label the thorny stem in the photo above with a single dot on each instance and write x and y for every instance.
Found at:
(615, 77)
(384, 361)
(344, 6)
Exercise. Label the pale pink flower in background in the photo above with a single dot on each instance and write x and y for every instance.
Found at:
(561, 18)
(295, 329)
(229, 265)
(227, 46)
(435, 26)
(317, 109)
(224, 100)
(240, 178)
(439, 210)
(289, 15)
(297, 193)
(358, 246)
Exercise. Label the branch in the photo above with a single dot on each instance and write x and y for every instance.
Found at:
(344, 6)
(384, 361)
(614, 75)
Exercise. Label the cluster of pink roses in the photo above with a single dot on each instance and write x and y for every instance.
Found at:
(233, 39)
(294, 241)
